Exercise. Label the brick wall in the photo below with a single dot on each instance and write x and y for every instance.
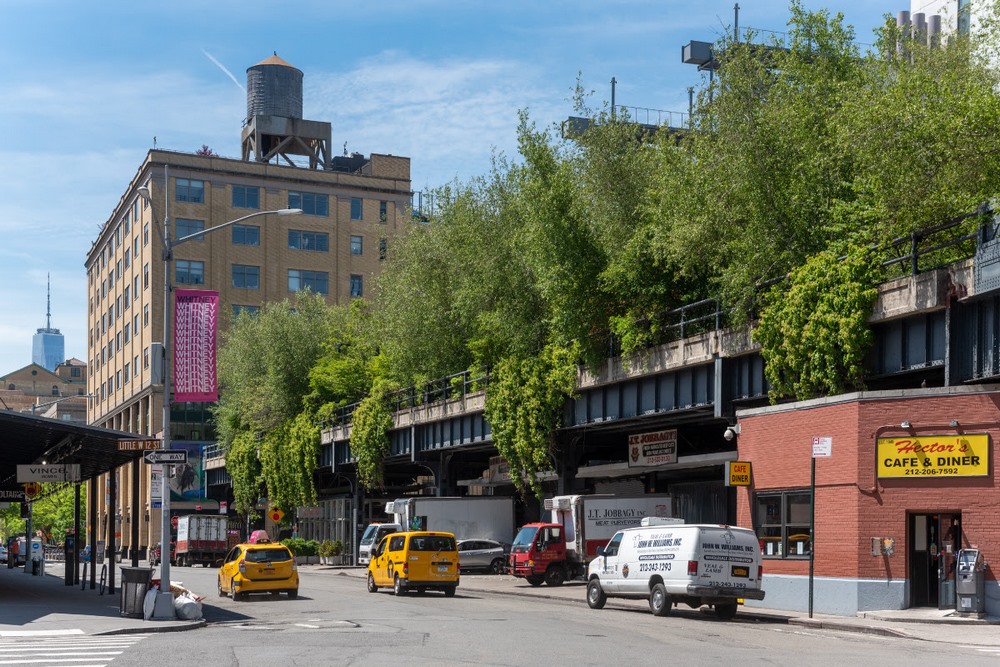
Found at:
(850, 507)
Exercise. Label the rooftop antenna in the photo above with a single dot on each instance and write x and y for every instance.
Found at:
(48, 302)
(613, 82)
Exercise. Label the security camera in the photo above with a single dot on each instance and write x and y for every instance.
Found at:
(729, 434)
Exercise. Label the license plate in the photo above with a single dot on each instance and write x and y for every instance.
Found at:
(739, 571)
(268, 570)
(442, 568)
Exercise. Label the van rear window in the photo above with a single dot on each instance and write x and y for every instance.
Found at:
(432, 543)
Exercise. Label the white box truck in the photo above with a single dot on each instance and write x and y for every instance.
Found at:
(201, 538)
(468, 517)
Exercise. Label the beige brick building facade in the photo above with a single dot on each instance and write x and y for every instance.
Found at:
(352, 213)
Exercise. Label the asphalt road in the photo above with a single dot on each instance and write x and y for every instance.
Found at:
(335, 621)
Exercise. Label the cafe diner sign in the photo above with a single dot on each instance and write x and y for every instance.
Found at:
(934, 456)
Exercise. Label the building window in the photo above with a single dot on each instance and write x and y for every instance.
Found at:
(135, 247)
(189, 272)
(315, 281)
(128, 299)
(357, 245)
(145, 234)
(145, 358)
(781, 520)
(383, 211)
(145, 276)
(356, 286)
(246, 277)
(128, 376)
(383, 248)
(128, 332)
(356, 208)
(246, 196)
(249, 310)
(246, 235)
(135, 366)
(184, 227)
(145, 315)
(74, 372)
(135, 324)
(128, 257)
(310, 203)
(299, 240)
(190, 191)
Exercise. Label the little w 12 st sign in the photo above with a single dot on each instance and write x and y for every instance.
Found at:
(62, 472)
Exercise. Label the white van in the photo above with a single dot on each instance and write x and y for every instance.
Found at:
(666, 562)
(371, 537)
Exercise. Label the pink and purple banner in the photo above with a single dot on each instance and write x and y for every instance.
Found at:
(196, 315)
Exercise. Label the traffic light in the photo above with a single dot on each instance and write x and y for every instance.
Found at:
(24, 509)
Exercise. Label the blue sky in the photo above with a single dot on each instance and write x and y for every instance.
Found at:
(85, 86)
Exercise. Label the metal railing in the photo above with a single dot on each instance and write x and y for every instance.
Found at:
(931, 248)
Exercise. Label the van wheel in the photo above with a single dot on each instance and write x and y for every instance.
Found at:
(726, 611)
(449, 592)
(659, 601)
(372, 588)
(535, 580)
(397, 586)
(555, 576)
(292, 594)
(596, 597)
(496, 567)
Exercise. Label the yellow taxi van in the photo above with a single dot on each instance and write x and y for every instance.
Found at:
(415, 560)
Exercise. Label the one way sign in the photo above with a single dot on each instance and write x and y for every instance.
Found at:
(166, 456)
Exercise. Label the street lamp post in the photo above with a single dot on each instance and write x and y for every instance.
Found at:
(164, 607)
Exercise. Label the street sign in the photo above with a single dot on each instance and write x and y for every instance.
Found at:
(166, 456)
(822, 447)
(62, 472)
(139, 445)
(276, 515)
(739, 473)
(173, 522)
(31, 490)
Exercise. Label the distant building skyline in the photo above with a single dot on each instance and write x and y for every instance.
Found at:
(48, 347)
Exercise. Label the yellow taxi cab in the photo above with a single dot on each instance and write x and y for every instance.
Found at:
(415, 560)
(259, 567)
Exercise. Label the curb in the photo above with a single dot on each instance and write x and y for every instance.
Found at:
(174, 627)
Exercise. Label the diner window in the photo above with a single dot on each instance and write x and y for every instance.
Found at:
(310, 203)
(246, 196)
(189, 190)
(781, 520)
(316, 241)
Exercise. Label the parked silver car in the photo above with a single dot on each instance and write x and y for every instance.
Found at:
(488, 555)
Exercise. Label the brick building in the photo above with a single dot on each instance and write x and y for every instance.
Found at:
(910, 479)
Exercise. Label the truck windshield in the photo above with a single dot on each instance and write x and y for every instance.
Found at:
(369, 535)
(525, 538)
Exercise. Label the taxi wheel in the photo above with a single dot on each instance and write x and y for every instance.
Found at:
(726, 611)
(397, 586)
(292, 594)
(659, 601)
(496, 567)
(372, 588)
(232, 591)
(596, 597)
(222, 593)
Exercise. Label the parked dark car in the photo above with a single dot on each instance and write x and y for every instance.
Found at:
(486, 555)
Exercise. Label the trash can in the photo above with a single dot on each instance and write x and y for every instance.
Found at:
(135, 583)
(970, 585)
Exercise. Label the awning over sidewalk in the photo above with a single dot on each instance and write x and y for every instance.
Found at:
(27, 439)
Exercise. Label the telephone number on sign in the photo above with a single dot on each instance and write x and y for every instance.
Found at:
(931, 471)
(654, 567)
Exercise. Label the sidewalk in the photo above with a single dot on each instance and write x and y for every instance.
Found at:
(30, 604)
(45, 604)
